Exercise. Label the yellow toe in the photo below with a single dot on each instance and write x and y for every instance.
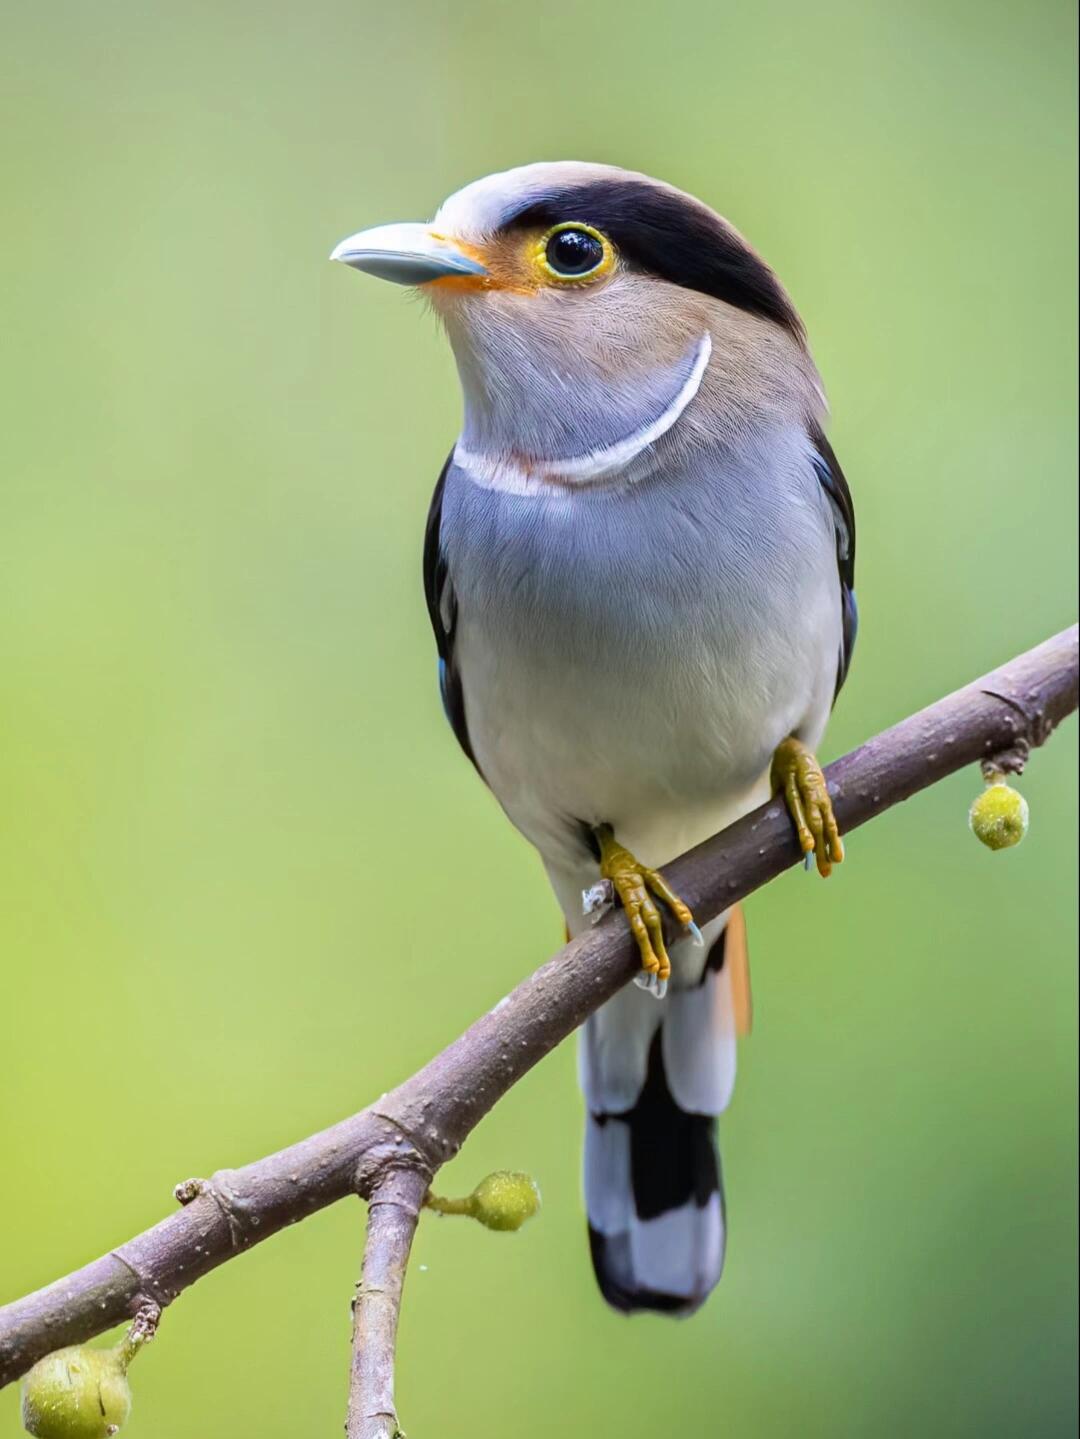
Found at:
(797, 775)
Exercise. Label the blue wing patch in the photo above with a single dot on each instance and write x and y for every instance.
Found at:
(832, 481)
(442, 611)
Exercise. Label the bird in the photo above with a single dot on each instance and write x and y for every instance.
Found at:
(639, 569)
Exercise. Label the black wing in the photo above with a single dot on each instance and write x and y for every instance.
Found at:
(836, 489)
(442, 611)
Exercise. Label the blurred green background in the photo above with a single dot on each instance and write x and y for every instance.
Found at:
(221, 737)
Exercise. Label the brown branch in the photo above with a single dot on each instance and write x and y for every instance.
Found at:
(393, 1210)
(419, 1125)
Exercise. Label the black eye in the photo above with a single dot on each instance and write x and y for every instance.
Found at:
(574, 252)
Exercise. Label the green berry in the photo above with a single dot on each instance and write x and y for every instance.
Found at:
(999, 817)
(504, 1200)
(76, 1393)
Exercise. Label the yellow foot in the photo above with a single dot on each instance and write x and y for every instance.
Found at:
(797, 775)
(635, 885)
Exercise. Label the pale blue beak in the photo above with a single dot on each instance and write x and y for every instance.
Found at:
(405, 254)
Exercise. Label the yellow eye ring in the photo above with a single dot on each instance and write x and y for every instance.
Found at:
(582, 256)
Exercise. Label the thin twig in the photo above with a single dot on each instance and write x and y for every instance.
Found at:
(423, 1122)
(393, 1210)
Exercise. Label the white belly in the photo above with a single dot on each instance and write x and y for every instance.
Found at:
(666, 764)
(625, 662)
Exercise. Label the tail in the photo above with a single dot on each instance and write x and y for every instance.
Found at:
(656, 1073)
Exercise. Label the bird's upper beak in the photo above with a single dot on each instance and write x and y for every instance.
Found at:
(407, 255)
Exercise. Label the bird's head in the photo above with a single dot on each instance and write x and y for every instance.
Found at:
(589, 308)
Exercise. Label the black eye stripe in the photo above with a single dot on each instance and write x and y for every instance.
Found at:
(668, 235)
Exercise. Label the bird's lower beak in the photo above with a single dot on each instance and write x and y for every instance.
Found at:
(406, 254)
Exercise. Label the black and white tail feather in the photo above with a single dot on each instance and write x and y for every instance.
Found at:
(656, 1074)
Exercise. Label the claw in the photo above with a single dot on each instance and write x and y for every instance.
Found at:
(597, 900)
(797, 775)
(636, 887)
(650, 984)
